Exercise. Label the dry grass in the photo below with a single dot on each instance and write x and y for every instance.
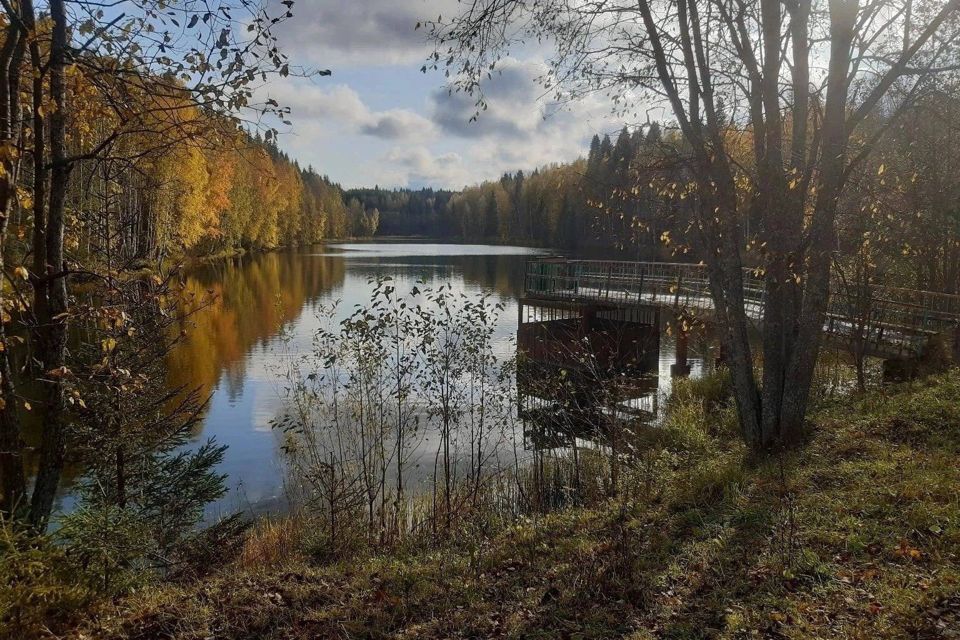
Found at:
(274, 542)
(855, 536)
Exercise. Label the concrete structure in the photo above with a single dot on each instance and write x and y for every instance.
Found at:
(890, 323)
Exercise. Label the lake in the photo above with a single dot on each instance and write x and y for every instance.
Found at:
(233, 347)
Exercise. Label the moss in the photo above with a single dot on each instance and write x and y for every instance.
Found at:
(857, 535)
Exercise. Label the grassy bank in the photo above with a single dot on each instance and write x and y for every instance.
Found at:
(857, 535)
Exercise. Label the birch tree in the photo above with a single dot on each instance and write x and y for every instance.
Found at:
(791, 80)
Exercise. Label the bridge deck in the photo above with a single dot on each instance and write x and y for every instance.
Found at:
(893, 322)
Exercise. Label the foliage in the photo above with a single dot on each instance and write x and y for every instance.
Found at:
(407, 367)
(405, 212)
(611, 199)
(221, 190)
(36, 586)
(108, 546)
(855, 536)
(117, 545)
(767, 145)
(711, 390)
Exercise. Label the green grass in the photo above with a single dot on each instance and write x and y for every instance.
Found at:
(857, 535)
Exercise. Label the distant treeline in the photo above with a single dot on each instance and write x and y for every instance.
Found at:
(405, 212)
(589, 203)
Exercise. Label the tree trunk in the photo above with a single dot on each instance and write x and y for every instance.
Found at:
(800, 371)
(50, 315)
(11, 444)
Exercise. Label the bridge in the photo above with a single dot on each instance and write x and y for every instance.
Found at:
(893, 323)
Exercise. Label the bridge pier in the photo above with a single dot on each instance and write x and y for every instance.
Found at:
(936, 356)
(900, 369)
(584, 370)
(713, 341)
(681, 367)
(721, 360)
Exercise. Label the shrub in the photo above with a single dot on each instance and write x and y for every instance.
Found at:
(711, 391)
(108, 547)
(272, 542)
(36, 586)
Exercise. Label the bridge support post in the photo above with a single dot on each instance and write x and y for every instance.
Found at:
(900, 369)
(588, 313)
(681, 367)
(721, 360)
(936, 356)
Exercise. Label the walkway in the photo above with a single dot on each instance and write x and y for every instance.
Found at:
(896, 322)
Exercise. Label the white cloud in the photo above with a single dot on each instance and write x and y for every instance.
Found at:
(398, 123)
(520, 129)
(420, 166)
(418, 133)
(513, 104)
(332, 33)
(339, 109)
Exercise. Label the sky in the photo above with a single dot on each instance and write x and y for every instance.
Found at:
(378, 120)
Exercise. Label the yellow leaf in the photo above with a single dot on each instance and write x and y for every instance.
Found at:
(882, 168)
(21, 272)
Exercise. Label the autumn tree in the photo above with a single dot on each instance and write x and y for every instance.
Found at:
(795, 81)
(12, 54)
(161, 73)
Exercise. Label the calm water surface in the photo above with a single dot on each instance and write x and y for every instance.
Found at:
(233, 348)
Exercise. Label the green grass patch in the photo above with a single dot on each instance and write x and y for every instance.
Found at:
(857, 535)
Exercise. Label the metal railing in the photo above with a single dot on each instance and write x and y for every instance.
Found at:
(890, 321)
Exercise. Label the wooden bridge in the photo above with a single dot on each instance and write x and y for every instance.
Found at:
(892, 323)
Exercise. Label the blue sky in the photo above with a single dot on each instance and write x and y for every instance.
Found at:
(379, 120)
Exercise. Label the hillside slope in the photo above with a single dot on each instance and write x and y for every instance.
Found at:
(855, 536)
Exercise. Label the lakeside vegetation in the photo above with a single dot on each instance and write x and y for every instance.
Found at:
(855, 535)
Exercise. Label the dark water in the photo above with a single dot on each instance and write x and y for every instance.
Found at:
(233, 349)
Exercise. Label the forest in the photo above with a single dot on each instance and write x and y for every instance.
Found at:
(565, 205)
(610, 200)
(227, 192)
(624, 196)
(199, 185)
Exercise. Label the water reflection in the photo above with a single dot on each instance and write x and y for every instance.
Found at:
(252, 298)
(232, 350)
(590, 372)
